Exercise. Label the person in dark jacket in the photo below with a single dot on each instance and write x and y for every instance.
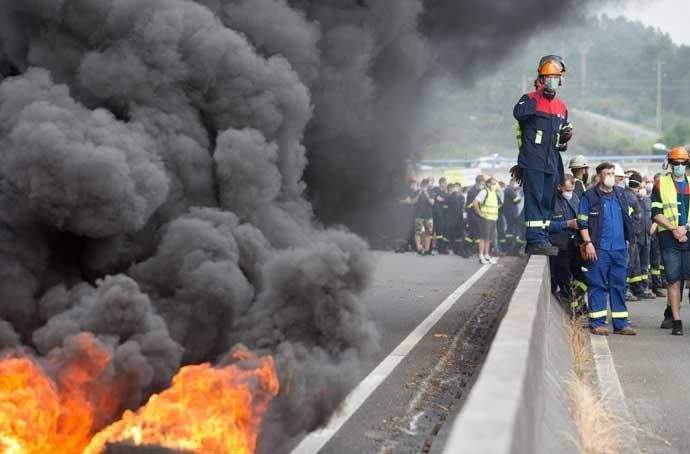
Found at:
(440, 211)
(512, 198)
(606, 229)
(563, 235)
(580, 169)
(638, 270)
(474, 222)
(636, 215)
(455, 222)
(543, 133)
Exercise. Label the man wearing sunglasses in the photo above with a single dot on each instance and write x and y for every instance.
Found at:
(670, 204)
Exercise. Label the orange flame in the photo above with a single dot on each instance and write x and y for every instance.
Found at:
(39, 415)
(206, 410)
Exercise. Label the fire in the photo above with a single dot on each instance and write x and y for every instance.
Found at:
(40, 415)
(206, 410)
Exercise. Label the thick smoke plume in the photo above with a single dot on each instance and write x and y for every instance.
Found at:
(159, 161)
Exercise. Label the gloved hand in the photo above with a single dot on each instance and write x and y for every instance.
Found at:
(565, 134)
(516, 173)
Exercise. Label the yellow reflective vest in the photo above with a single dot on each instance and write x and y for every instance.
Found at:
(490, 205)
(669, 201)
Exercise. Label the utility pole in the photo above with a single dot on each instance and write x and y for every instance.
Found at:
(583, 68)
(659, 75)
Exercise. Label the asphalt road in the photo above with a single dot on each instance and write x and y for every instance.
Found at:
(406, 411)
(654, 371)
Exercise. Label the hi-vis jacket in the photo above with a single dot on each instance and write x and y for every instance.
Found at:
(539, 121)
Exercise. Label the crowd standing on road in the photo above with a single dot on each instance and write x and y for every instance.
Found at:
(616, 237)
(485, 218)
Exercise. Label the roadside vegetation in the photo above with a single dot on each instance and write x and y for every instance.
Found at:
(598, 429)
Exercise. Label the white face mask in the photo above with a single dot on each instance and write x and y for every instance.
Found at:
(650, 187)
(610, 181)
(642, 192)
(621, 184)
(567, 195)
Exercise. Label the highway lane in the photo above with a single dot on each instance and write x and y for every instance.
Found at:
(405, 411)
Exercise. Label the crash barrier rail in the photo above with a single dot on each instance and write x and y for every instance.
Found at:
(519, 401)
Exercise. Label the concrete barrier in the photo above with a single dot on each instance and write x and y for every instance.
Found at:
(519, 402)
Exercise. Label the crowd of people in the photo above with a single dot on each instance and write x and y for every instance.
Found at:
(620, 237)
(485, 218)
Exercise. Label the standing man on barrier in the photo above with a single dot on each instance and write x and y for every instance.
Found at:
(670, 204)
(543, 132)
(606, 228)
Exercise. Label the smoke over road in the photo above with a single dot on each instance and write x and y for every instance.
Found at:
(159, 161)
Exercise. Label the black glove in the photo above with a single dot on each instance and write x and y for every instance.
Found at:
(565, 134)
(516, 173)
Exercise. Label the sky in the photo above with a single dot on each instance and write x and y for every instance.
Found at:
(671, 16)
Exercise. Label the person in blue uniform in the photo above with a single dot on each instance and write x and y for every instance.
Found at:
(606, 229)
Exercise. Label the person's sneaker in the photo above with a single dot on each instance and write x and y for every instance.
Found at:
(677, 328)
(599, 331)
(647, 295)
(484, 261)
(420, 252)
(541, 249)
(659, 292)
(631, 297)
(492, 260)
(627, 331)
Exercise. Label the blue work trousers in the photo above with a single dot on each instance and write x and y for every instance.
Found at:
(607, 275)
(540, 196)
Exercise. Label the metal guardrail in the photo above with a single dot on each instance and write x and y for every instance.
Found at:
(500, 161)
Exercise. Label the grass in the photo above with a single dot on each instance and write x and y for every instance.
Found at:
(598, 429)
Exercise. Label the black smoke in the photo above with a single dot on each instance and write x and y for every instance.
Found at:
(160, 161)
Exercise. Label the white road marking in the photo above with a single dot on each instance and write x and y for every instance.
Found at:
(313, 442)
(612, 393)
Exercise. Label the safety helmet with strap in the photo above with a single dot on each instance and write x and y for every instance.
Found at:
(550, 68)
(678, 154)
(553, 58)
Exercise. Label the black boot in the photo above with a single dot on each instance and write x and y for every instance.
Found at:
(541, 249)
(668, 319)
(677, 329)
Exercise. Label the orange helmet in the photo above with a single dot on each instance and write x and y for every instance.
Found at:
(550, 68)
(678, 154)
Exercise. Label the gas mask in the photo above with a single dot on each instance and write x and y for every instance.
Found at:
(567, 195)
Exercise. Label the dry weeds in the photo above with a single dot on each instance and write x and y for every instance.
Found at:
(598, 429)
